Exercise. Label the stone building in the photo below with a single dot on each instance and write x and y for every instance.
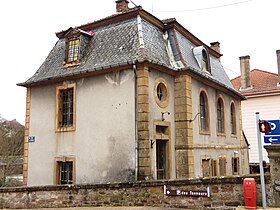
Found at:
(131, 97)
(262, 90)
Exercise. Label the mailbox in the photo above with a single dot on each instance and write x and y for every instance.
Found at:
(250, 195)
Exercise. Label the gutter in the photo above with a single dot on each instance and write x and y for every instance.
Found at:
(136, 118)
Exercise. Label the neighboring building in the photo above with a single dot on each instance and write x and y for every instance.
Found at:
(131, 97)
(11, 151)
(262, 91)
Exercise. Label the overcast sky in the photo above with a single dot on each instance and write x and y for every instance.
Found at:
(243, 27)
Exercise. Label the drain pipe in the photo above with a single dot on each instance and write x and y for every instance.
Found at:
(136, 118)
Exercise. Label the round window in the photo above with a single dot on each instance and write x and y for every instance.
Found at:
(161, 93)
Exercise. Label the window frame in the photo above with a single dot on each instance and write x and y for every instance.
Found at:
(57, 175)
(235, 164)
(162, 84)
(75, 48)
(205, 61)
(59, 111)
(204, 113)
(220, 109)
(233, 119)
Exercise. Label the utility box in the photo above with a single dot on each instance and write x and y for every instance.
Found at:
(250, 195)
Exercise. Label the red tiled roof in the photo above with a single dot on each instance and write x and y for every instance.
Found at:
(262, 82)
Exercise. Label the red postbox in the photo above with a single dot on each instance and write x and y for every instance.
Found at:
(250, 195)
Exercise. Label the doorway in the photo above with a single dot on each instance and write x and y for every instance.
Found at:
(161, 159)
(161, 152)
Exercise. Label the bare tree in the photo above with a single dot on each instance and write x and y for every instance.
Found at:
(11, 150)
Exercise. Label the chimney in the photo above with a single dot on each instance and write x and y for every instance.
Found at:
(278, 62)
(245, 72)
(215, 46)
(121, 6)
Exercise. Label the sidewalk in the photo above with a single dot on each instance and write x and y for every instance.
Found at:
(134, 208)
(108, 208)
(259, 207)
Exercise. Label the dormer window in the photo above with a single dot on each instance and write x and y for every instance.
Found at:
(204, 61)
(72, 50)
(201, 55)
(76, 41)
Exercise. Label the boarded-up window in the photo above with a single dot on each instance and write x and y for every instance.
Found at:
(206, 167)
(214, 167)
(223, 166)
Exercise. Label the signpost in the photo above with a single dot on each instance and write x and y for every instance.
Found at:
(274, 135)
(261, 160)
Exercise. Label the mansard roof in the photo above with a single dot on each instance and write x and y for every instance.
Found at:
(123, 39)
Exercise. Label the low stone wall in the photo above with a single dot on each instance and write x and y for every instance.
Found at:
(224, 192)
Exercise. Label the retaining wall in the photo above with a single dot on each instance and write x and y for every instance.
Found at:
(225, 193)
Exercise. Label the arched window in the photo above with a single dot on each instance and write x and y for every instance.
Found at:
(204, 116)
(205, 63)
(220, 116)
(233, 119)
(202, 57)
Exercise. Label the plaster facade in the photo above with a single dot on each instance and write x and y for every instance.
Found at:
(213, 145)
(249, 108)
(104, 139)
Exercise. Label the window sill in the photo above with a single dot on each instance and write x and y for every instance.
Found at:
(221, 134)
(233, 136)
(204, 132)
(65, 129)
(70, 64)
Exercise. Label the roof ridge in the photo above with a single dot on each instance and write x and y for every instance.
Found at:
(102, 19)
(264, 71)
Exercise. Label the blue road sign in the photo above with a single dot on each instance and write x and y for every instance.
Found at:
(31, 138)
(275, 127)
(272, 139)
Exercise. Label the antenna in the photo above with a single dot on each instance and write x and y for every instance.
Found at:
(133, 3)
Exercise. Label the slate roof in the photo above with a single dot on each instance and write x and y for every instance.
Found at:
(263, 82)
(116, 42)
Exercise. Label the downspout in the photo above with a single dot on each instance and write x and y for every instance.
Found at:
(136, 119)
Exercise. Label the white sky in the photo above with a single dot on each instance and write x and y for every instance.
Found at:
(28, 34)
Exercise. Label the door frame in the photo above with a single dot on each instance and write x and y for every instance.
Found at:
(163, 137)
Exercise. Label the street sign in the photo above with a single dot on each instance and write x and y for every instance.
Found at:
(275, 127)
(192, 193)
(274, 135)
(272, 139)
(31, 138)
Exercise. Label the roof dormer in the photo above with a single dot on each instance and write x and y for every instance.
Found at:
(202, 57)
(76, 41)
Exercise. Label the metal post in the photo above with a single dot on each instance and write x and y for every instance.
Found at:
(261, 161)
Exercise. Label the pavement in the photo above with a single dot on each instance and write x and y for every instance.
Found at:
(137, 208)
(108, 208)
(259, 207)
